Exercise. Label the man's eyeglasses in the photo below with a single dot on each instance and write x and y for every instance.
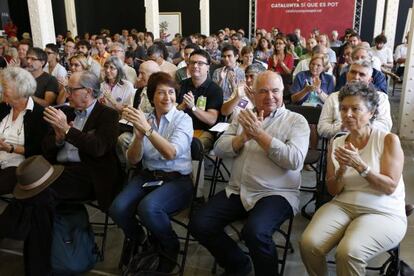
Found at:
(50, 53)
(199, 63)
(32, 58)
(71, 90)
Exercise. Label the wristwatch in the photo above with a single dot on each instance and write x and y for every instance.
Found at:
(148, 132)
(194, 108)
(365, 172)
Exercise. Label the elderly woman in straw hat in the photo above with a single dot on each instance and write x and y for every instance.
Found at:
(21, 125)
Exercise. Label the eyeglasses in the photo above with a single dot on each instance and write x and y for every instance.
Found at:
(116, 50)
(199, 63)
(71, 90)
(32, 58)
(50, 53)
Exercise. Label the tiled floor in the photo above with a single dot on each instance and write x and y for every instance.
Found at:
(199, 261)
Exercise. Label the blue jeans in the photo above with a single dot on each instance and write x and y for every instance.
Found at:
(207, 226)
(153, 208)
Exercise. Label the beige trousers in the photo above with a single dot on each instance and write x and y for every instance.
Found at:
(359, 233)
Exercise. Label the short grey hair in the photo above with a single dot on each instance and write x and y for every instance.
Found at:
(116, 61)
(117, 44)
(22, 79)
(88, 79)
(366, 91)
(358, 48)
(364, 63)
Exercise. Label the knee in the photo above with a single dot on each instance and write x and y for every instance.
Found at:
(118, 209)
(148, 207)
(347, 251)
(198, 225)
(309, 244)
(255, 235)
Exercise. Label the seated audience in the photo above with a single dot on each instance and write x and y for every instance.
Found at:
(246, 57)
(211, 46)
(77, 63)
(47, 88)
(222, 76)
(53, 67)
(310, 43)
(158, 53)
(84, 47)
(303, 64)
(282, 61)
(263, 50)
(102, 55)
(378, 78)
(242, 97)
(313, 86)
(330, 122)
(117, 50)
(323, 40)
(117, 91)
(184, 72)
(162, 142)
(141, 102)
(364, 173)
(22, 127)
(381, 51)
(268, 146)
(400, 55)
(201, 98)
(84, 152)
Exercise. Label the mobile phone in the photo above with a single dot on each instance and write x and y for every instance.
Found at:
(156, 183)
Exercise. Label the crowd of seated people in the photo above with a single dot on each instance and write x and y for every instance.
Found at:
(99, 104)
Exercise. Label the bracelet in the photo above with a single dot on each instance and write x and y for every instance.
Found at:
(11, 148)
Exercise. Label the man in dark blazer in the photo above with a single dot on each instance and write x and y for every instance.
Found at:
(83, 140)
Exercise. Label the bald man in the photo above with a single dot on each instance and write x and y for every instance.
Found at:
(268, 146)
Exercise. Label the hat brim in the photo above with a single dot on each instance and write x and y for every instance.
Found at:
(24, 194)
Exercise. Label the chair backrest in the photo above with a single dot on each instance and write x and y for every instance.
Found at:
(197, 154)
(310, 113)
(196, 150)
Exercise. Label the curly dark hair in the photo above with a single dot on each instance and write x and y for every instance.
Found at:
(366, 91)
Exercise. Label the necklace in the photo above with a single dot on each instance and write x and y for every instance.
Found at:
(8, 124)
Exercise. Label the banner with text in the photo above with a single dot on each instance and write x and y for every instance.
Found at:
(286, 15)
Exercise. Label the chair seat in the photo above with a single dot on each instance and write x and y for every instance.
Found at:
(313, 156)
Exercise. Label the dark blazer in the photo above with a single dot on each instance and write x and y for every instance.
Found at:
(96, 145)
(35, 128)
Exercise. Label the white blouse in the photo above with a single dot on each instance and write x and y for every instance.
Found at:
(13, 133)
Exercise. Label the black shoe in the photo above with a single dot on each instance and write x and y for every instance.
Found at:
(129, 249)
(241, 272)
(168, 260)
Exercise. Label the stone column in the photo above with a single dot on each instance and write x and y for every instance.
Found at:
(152, 17)
(379, 17)
(41, 22)
(391, 21)
(70, 12)
(406, 118)
(205, 17)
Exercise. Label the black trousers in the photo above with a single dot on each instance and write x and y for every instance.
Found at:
(7, 180)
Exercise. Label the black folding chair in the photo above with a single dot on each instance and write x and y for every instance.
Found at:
(315, 158)
(197, 154)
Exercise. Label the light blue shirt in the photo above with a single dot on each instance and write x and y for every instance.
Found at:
(70, 153)
(177, 127)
